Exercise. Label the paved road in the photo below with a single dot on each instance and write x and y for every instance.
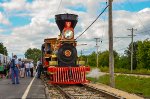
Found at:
(9, 91)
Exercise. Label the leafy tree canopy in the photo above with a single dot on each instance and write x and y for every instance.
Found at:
(143, 54)
(33, 54)
(3, 49)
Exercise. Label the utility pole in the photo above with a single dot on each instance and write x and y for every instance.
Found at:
(97, 40)
(111, 55)
(12, 55)
(81, 54)
(132, 30)
(81, 50)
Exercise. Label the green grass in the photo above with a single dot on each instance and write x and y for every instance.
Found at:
(122, 70)
(131, 84)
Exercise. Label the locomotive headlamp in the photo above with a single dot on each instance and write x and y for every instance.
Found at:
(68, 34)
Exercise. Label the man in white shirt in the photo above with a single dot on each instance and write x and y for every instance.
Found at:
(31, 68)
(27, 69)
(22, 70)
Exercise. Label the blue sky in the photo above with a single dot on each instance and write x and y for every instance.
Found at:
(132, 6)
(32, 19)
(19, 21)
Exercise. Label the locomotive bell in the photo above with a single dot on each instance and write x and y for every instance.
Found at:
(61, 20)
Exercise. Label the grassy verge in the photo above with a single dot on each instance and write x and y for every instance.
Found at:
(136, 85)
(122, 70)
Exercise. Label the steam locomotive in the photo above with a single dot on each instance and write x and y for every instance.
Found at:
(59, 55)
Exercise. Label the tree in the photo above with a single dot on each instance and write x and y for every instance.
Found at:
(3, 49)
(123, 62)
(143, 54)
(104, 58)
(33, 54)
(92, 59)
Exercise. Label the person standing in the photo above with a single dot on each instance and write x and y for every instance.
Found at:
(27, 70)
(5, 68)
(22, 70)
(39, 68)
(20, 64)
(14, 70)
(31, 68)
(8, 70)
(1, 70)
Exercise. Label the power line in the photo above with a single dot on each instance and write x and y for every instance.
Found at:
(93, 22)
(97, 40)
(122, 49)
(138, 16)
(59, 6)
(131, 36)
(145, 31)
(105, 16)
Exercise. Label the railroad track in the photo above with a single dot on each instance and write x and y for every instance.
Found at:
(82, 91)
(78, 92)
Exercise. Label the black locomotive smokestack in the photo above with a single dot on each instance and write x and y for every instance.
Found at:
(62, 18)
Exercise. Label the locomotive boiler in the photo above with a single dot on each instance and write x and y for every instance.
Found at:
(59, 55)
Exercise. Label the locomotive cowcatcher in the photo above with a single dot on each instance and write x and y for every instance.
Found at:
(59, 55)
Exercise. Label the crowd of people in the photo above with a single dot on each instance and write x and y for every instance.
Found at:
(26, 69)
(16, 69)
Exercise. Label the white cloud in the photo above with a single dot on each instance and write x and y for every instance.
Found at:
(33, 34)
(3, 19)
(29, 36)
(13, 5)
(1, 30)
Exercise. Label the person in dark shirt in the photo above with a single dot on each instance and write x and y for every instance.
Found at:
(15, 70)
(39, 68)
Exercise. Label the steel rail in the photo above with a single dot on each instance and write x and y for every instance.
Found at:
(108, 95)
(67, 95)
(101, 92)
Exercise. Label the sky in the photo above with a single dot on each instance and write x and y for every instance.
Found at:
(26, 23)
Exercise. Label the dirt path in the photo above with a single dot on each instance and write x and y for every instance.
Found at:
(136, 75)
